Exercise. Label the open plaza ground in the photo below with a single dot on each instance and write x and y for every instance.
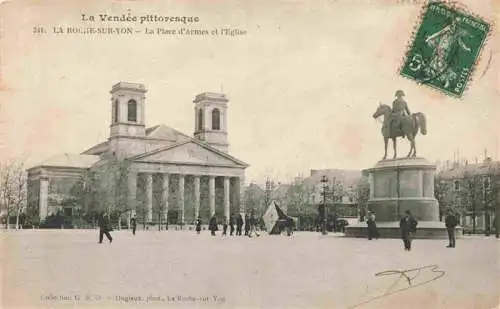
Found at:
(180, 269)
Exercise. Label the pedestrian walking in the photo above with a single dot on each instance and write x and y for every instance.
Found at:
(408, 226)
(224, 226)
(104, 227)
(372, 226)
(231, 225)
(247, 224)
(239, 224)
(253, 225)
(198, 225)
(212, 225)
(133, 224)
(451, 223)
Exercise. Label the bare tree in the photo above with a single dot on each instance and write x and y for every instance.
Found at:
(254, 199)
(13, 190)
(490, 194)
(441, 193)
(360, 195)
(104, 188)
(471, 194)
(298, 197)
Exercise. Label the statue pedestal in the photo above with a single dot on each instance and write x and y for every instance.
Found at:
(398, 185)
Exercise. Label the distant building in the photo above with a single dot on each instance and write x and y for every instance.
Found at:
(472, 190)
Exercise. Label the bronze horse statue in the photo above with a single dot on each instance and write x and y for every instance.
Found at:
(409, 127)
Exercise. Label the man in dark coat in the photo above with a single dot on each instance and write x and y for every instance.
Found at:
(104, 227)
(231, 225)
(253, 225)
(372, 226)
(408, 226)
(451, 223)
(198, 225)
(224, 226)
(133, 224)
(247, 224)
(239, 224)
(212, 225)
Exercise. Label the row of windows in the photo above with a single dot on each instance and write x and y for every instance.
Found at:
(216, 120)
(486, 184)
(132, 115)
(131, 111)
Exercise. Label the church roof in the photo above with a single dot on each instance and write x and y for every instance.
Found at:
(165, 132)
(70, 160)
(212, 96)
(97, 149)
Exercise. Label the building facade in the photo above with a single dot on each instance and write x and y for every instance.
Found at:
(472, 191)
(167, 173)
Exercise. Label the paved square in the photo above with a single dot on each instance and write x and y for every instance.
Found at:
(67, 268)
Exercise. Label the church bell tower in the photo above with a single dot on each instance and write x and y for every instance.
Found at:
(211, 119)
(127, 117)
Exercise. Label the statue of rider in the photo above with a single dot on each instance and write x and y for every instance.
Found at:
(399, 110)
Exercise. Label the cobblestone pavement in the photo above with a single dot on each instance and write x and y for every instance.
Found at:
(174, 269)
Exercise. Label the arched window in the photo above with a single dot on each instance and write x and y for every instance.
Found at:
(116, 113)
(132, 111)
(215, 119)
(199, 123)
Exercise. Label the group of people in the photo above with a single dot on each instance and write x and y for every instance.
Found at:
(249, 224)
(408, 226)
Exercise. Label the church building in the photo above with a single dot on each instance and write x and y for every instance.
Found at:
(170, 176)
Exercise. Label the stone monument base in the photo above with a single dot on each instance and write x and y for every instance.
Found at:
(425, 230)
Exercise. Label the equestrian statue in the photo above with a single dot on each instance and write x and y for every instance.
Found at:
(399, 122)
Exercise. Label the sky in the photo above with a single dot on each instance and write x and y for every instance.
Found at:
(303, 82)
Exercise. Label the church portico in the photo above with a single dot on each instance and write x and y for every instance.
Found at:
(179, 198)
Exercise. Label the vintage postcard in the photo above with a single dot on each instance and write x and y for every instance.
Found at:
(249, 154)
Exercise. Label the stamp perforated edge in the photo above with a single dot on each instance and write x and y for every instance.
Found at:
(459, 7)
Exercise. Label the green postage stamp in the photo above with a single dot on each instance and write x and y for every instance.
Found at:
(445, 48)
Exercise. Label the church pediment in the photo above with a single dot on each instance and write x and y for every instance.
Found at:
(189, 153)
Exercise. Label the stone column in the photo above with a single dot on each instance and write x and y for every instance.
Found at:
(241, 195)
(132, 191)
(372, 185)
(207, 119)
(420, 183)
(44, 198)
(226, 196)
(196, 196)
(149, 197)
(181, 198)
(211, 194)
(164, 197)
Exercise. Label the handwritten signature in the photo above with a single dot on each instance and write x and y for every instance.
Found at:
(409, 275)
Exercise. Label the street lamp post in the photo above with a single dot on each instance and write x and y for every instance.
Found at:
(324, 181)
